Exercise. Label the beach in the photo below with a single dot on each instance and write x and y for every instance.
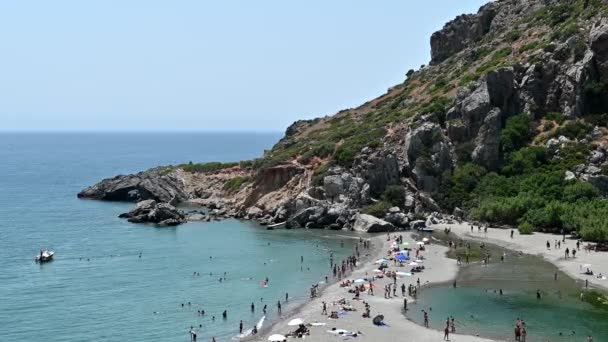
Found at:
(535, 244)
(438, 269)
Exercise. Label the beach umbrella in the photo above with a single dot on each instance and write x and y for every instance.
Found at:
(359, 281)
(401, 257)
(277, 338)
(413, 264)
(420, 243)
(296, 321)
(425, 239)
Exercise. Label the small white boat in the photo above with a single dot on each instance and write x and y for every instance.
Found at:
(44, 256)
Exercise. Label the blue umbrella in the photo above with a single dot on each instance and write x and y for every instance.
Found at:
(400, 257)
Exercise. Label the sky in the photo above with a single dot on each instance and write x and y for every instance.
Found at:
(222, 65)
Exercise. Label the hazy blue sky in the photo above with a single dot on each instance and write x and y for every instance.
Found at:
(204, 65)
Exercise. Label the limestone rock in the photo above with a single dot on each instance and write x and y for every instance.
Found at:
(154, 184)
(370, 224)
(487, 143)
(149, 211)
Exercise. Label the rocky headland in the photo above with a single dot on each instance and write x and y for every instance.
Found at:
(506, 125)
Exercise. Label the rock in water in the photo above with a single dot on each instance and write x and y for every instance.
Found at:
(154, 184)
(149, 211)
(371, 224)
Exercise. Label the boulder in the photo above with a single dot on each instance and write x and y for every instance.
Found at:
(149, 211)
(370, 224)
(156, 184)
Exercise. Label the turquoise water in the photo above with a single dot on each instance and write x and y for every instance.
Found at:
(98, 288)
(479, 308)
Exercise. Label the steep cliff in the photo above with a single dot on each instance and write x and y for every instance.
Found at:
(507, 124)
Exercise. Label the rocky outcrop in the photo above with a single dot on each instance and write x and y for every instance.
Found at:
(487, 143)
(428, 155)
(371, 224)
(598, 41)
(466, 30)
(149, 211)
(157, 184)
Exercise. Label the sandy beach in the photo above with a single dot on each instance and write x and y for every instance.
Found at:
(438, 268)
(535, 244)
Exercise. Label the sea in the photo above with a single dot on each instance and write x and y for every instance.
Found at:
(116, 281)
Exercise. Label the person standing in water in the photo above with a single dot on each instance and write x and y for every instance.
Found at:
(279, 307)
(426, 319)
(241, 328)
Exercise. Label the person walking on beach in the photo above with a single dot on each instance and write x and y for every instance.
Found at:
(453, 325)
(446, 331)
(511, 233)
(403, 289)
(324, 309)
(567, 253)
(573, 253)
(426, 319)
(405, 304)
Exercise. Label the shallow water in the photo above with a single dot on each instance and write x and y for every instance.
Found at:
(98, 288)
(479, 308)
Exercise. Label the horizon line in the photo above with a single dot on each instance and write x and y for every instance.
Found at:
(3, 131)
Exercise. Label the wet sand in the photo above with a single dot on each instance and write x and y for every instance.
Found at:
(438, 268)
(535, 244)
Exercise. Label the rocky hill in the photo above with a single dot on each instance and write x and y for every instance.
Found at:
(507, 125)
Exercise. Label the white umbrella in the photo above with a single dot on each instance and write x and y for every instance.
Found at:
(420, 243)
(359, 281)
(277, 338)
(425, 239)
(413, 264)
(296, 321)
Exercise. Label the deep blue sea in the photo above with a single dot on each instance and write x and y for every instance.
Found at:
(97, 288)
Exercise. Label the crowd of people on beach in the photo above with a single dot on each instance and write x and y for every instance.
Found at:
(387, 277)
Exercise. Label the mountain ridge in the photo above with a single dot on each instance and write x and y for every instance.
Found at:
(515, 93)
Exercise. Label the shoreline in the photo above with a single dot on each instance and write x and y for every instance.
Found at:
(294, 309)
(534, 244)
(438, 269)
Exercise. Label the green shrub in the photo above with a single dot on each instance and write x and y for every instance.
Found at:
(516, 133)
(513, 35)
(576, 129)
(235, 183)
(206, 167)
(530, 46)
(555, 116)
(525, 228)
(378, 209)
(395, 195)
